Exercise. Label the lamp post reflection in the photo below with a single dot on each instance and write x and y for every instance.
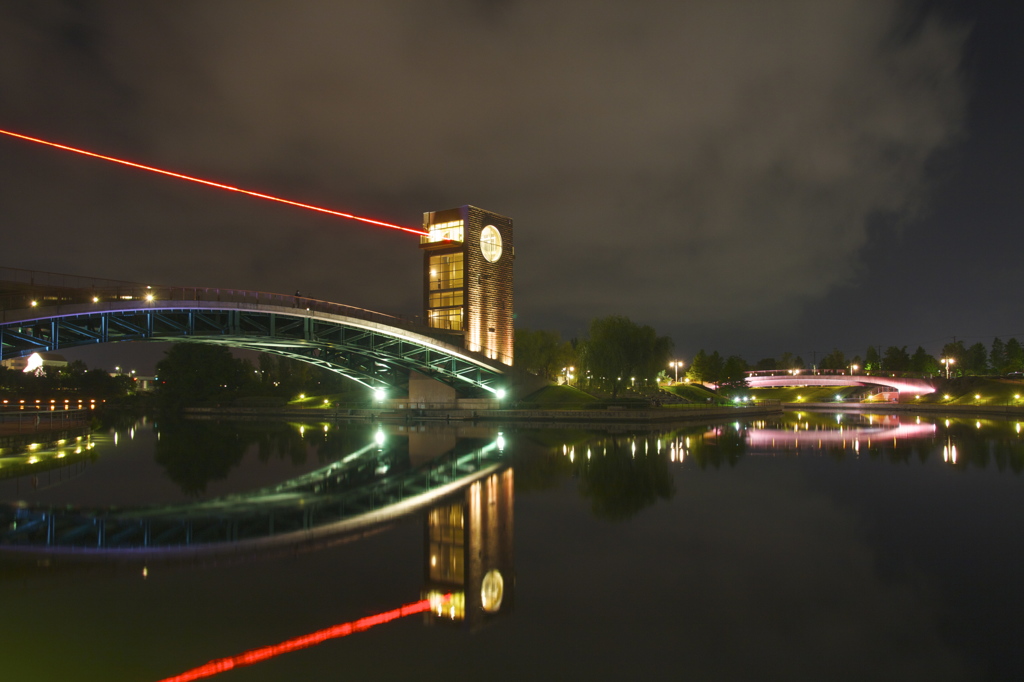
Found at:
(949, 451)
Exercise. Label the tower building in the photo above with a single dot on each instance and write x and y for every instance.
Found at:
(468, 255)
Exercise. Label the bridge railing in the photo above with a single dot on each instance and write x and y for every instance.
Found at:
(31, 421)
(32, 290)
(754, 374)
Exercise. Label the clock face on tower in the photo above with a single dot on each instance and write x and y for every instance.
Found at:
(490, 244)
(492, 589)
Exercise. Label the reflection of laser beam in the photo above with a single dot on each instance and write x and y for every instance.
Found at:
(257, 655)
(210, 183)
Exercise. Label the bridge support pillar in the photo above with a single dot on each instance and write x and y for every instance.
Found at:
(426, 391)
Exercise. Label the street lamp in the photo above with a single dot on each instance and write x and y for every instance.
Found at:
(676, 364)
(947, 362)
(853, 369)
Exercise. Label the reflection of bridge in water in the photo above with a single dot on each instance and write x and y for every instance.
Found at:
(359, 490)
(469, 574)
(457, 481)
(855, 430)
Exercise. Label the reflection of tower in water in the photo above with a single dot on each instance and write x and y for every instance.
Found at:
(469, 554)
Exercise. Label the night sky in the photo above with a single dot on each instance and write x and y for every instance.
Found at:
(748, 177)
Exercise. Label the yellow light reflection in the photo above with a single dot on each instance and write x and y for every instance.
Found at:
(453, 608)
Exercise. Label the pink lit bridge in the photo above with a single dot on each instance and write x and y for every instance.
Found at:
(821, 377)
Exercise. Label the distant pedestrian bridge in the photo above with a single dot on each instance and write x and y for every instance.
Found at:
(824, 377)
(45, 312)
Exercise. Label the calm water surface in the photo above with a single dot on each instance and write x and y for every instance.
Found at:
(804, 547)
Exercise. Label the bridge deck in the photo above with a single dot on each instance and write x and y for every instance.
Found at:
(910, 385)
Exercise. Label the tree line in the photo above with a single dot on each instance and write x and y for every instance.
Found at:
(976, 360)
(616, 353)
(189, 373)
(619, 353)
(193, 373)
(75, 378)
(999, 358)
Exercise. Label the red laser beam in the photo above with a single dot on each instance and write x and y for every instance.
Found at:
(210, 183)
(257, 655)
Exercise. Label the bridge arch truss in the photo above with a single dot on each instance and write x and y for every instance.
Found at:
(373, 349)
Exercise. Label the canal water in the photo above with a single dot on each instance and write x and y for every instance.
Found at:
(809, 546)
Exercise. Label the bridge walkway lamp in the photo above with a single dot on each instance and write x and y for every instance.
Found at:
(676, 364)
(853, 369)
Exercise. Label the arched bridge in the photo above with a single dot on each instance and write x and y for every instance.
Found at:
(774, 378)
(41, 312)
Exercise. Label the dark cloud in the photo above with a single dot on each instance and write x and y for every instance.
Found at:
(713, 161)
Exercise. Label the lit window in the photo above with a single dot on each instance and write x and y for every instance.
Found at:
(446, 318)
(446, 271)
(451, 231)
(447, 544)
(445, 299)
